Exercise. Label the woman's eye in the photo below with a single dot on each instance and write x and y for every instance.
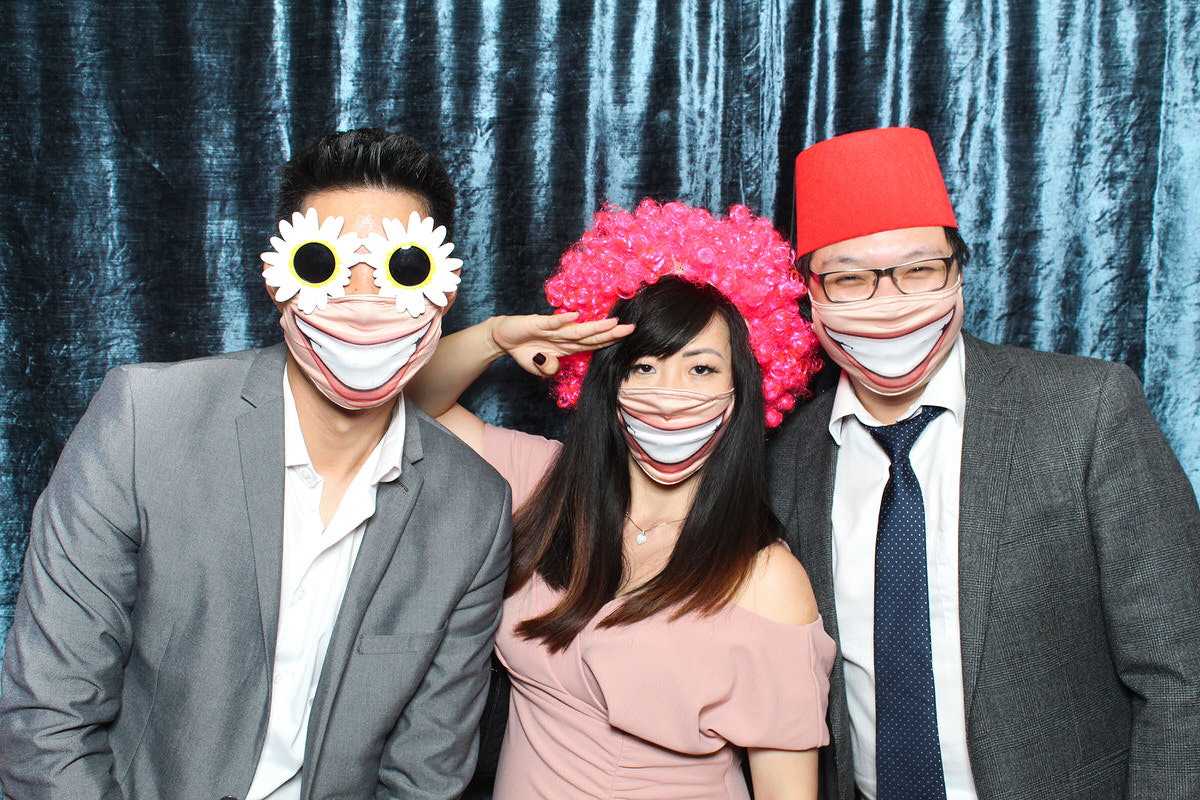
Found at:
(702, 369)
(642, 369)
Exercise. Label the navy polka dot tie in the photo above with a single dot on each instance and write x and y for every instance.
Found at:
(908, 757)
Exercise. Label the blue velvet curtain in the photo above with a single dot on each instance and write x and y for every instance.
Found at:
(138, 141)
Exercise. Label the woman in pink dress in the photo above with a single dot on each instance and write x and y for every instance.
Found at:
(655, 628)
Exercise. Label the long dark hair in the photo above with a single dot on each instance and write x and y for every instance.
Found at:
(570, 531)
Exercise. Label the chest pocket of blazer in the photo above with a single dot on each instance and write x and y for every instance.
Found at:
(389, 643)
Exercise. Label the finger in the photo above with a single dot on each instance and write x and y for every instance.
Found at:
(583, 331)
(553, 322)
(570, 321)
(616, 332)
(599, 324)
(605, 337)
(549, 367)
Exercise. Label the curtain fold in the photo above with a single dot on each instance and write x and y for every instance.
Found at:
(139, 141)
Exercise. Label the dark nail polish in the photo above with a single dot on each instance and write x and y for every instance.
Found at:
(539, 358)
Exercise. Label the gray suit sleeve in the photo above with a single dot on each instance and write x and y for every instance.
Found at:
(1146, 527)
(71, 634)
(431, 753)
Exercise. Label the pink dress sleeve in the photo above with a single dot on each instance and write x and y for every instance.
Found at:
(695, 683)
(521, 458)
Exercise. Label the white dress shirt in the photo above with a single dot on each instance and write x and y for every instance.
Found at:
(317, 561)
(862, 472)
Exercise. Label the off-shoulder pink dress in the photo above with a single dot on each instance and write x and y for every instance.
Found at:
(657, 710)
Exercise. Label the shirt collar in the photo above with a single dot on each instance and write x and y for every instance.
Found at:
(385, 460)
(946, 389)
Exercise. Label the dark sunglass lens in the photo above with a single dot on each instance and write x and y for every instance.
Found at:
(314, 262)
(409, 266)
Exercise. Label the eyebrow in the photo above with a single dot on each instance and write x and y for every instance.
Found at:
(701, 351)
(915, 254)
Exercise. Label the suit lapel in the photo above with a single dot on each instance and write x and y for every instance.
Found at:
(394, 503)
(989, 432)
(260, 444)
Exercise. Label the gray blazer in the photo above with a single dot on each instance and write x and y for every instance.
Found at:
(140, 657)
(1079, 581)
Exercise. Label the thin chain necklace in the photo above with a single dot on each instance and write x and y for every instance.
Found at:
(641, 537)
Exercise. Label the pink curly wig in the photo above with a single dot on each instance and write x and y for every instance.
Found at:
(741, 255)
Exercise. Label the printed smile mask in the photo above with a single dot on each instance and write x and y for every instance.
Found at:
(361, 350)
(891, 344)
(672, 432)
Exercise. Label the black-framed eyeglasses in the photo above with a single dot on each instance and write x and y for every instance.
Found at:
(915, 277)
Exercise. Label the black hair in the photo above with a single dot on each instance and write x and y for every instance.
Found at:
(570, 531)
(367, 158)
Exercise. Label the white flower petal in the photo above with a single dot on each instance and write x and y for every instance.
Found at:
(279, 275)
(307, 301)
(286, 293)
(411, 301)
(394, 229)
(445, 281)
(371, 259)
(331, 228)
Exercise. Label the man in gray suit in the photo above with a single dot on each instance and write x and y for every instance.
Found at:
(265, 574)
(1001, 541)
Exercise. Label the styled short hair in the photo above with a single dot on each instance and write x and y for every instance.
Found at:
(367, 158)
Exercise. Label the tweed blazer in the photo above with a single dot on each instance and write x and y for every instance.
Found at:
(140, 658)
(1079, 581)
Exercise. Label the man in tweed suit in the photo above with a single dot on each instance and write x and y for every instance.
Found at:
(265, 574)
(1062, 539)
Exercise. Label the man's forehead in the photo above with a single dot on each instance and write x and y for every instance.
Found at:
(368, 198)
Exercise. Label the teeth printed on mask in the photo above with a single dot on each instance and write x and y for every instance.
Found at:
(670, 446)
(896, 356)
(362, 367)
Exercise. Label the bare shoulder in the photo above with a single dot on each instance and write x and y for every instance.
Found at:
(465, 425)
(778, 588)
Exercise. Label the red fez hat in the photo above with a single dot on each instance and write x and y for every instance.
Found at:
(866, 182)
